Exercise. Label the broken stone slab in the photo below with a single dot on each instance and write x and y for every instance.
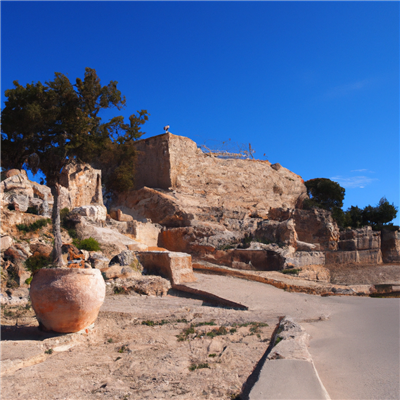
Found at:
(174, 266)
(148, 285)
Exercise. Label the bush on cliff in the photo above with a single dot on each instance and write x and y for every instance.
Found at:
(324, 193)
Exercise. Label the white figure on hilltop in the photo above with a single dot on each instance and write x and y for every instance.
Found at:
(166, 129)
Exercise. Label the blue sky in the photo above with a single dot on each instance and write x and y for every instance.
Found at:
(312, 85)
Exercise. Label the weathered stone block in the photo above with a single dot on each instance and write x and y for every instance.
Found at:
(391, 246)
(177, 267)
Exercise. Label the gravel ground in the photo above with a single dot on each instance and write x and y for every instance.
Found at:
(122, 358)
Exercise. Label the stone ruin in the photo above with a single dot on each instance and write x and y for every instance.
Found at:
(187, 206)
(211, 207)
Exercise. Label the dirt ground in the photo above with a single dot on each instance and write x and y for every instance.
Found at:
(141, 348)
(365, 274)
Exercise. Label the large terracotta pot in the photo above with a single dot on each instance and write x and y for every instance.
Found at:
(67, 300)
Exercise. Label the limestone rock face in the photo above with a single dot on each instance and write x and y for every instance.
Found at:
(391, 246)
(373, 256)
(274, 231)
(111, 241)
(82, 185)
(19, 193)
(317, 227)
(207, 188)
(360, 239)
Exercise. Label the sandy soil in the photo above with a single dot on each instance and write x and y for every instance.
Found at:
(123, 358)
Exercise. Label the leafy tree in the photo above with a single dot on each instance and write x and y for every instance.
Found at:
(325, 193)
(45, 127)
(380, 215)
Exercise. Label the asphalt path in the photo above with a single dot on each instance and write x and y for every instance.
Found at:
(356, 352)
(354, 340)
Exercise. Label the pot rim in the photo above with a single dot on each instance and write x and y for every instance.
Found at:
(68, 271)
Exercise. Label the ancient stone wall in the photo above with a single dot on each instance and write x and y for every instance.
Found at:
(153, 167)
(203, 184)
(391, 246)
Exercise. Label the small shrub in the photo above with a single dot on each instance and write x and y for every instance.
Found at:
(110, 340)
(35, 226)
(34, 263)
(148, 323)
(209, 323)
(87, 244)
(198, 366)
(73, 233)
(212, 355)
(49, 351)
(29, 280)
(185, 333)
(217, 332)
(277, 340)
(63, 215)
(123, 349)
(232, 331)
(226, 247)
(294, 271)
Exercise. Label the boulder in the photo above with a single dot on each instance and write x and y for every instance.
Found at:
(98, 260)
(278, 232)
(15, 255)
(5, 242)
(41, 249)
(118, 271)
(174, 266)
(127, 258)
(94, 213)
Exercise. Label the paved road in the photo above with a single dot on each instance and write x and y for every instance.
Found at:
(355, 350)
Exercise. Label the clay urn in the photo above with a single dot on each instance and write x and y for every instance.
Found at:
(67, 299)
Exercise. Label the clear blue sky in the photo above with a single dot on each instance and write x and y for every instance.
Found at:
(313, 85)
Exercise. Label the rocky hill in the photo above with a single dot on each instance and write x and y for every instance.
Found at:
(241, 214)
